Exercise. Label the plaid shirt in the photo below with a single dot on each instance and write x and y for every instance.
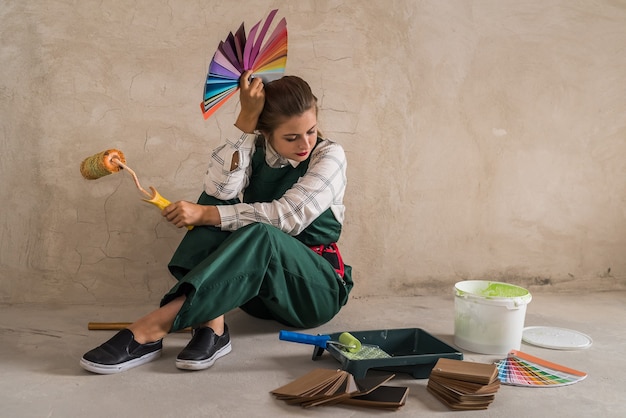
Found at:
(322, 186)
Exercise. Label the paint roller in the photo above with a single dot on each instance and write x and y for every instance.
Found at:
(112, 161)
(346, 341)
(347, 345)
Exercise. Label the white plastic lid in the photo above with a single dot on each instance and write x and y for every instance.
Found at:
(556, 338)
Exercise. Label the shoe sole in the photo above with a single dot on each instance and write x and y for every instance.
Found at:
(203, 364)
(120, 367)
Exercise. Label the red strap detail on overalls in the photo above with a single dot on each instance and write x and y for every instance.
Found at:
(331, 249)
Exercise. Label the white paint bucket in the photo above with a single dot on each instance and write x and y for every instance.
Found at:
(489, 316)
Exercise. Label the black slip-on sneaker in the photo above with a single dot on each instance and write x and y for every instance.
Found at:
(204, 348)
(120, 353)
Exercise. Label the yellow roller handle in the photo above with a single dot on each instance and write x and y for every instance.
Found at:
(160, 202)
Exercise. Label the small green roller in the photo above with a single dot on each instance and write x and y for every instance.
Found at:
(349, 342)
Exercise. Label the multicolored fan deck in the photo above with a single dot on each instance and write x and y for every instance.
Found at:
(521, 369)
(237, 54)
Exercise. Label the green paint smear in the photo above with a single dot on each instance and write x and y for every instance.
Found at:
(502, 290)
(496, 290)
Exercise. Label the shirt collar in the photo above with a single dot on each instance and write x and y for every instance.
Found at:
(275, 160)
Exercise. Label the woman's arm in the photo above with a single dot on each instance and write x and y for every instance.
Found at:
(227, 174)
(228, 170)
(252, 98)
(322, 187)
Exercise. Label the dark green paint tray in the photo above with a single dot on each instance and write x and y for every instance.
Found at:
(411, 350)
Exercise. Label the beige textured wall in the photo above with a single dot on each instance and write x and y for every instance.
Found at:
(486, 139)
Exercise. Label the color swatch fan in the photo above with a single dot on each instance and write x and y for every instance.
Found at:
(521, 369)
(239, 53)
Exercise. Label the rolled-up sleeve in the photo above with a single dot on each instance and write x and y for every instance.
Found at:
(222, 182)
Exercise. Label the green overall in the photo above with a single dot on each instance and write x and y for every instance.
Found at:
(264, 271)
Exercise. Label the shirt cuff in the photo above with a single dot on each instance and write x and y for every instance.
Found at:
(228, 217)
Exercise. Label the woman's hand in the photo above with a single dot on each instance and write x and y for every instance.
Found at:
(252, 98)
(184, 213)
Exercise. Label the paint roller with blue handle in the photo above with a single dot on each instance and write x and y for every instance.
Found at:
(346, 341)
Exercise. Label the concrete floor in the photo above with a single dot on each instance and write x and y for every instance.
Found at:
(41, 345)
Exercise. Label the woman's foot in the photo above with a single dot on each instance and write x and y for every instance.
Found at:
(122, 352)
(204, 349)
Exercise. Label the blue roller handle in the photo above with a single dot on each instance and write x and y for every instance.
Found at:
(296, 337)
